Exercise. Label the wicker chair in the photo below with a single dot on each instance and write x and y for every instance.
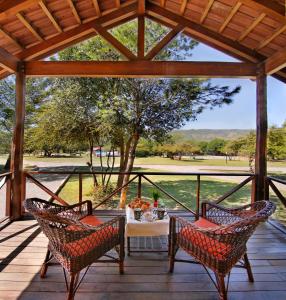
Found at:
(218, 239)
(76, 238)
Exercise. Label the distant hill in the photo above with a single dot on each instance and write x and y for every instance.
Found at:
(210, 134)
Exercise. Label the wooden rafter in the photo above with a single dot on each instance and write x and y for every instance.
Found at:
(10, 8)
(272, 37)
(141, 37)
(114, 42)
(162, 3)
(50, 16)
(252, 26)
(183, 6)
(164, 42)
(140, 68)
(275, 62)
(8, 61)
(230, 16)
(10, 38)
(74, 11)
(29, 27)
(64, 39)
(96, 7)
(206, 10)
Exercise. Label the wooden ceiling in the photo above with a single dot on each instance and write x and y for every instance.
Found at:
(251, 30)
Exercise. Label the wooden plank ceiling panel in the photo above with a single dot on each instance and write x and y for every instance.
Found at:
(86, 9)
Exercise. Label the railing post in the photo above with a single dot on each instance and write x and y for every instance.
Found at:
(8, 196)
(139, 187)
(267, 188)
(79, 188)
(198, 197)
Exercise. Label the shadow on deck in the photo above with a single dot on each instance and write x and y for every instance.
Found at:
(23, 247)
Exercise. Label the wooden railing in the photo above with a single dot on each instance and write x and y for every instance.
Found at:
(5, 179)
(271, 184)
(139, 176)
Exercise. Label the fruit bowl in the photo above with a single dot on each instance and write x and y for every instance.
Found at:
(140, 203)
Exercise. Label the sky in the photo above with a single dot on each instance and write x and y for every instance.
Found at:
(241, 113)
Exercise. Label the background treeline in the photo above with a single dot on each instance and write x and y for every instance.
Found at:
(178, 145)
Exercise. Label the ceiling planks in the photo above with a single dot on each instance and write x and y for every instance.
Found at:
(74, 11)
(29, 27)
(206, 10)
(251, 27)
(50, 16)
(96, 7)
(230, 16)
(275, 62)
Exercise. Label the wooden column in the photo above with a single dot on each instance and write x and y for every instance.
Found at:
(17, 182)
(261, 133)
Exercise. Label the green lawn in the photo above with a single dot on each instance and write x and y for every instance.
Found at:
(155, 160)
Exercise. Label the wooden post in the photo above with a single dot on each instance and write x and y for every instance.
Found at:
(198, 197)
(261, 133)
(17, 182)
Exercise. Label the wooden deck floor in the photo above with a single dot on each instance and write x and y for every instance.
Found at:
(23, 246)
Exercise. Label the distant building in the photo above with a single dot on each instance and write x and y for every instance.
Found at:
(96, 152)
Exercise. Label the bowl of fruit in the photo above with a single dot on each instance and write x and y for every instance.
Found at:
(139, 203)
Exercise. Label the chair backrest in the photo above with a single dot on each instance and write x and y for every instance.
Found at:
(53, 219)
(246, 220)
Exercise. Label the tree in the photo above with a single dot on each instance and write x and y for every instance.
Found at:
(276, 144)
(126, 110)
(216, 146)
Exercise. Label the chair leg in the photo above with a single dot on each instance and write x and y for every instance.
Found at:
(221, 286)
(248, 268)
(121, 257)
(72, 285)
(44, 267)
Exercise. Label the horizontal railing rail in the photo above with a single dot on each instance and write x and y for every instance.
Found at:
(142, 175)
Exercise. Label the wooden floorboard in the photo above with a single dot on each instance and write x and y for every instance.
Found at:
(23, 247)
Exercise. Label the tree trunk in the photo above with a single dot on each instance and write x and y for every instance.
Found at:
(125, 158)
(128, 169)
(90, 163)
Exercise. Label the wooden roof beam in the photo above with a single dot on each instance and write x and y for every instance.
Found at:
(141, 7)
(206, 11)
(251, 27)
(164, 42)
(140, 69)
(162, 3)
(114, 42)
(230, 16)
(10, 38)
(50, 16)
(276, 62)
(8, 61)
(29, 27)
(12, 7)
(96, 7)
(74, 11)
(183, 7)
(117, 3)
(141, 37)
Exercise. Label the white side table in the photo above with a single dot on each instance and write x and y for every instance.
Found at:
(144, 228)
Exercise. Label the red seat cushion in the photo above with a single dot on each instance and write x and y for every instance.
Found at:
(205, 243)
(88, 243)
(204, 223)
(91, 220)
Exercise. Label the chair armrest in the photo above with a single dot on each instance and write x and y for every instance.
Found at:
(221, 215)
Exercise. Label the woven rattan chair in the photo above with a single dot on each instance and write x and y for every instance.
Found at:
(218, 239)
(76, 238)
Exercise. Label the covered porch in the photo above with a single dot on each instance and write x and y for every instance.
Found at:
(258, 43)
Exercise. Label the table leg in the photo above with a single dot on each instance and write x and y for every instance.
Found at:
(128, 245)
